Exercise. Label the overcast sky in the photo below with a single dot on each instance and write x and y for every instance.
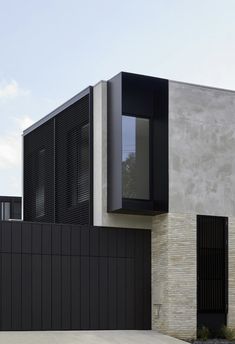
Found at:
(52, 49)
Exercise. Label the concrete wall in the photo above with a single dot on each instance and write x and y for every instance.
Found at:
(201, 150)
(101, 217)
(174, 284)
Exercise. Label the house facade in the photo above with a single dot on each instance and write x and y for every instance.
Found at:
(139, 152)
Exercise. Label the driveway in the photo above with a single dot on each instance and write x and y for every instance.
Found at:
(87, 337)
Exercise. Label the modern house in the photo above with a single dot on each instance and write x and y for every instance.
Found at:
(10, 208)
(140, 171)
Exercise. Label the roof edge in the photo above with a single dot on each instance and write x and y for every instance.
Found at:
(55, 112)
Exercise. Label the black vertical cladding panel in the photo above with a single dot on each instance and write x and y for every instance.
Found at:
(94, 278)
(112, 278)
(130, 243)
(65, 293)
(6, 237)
(16, 237)
(36, 236)
(26, 292)
(121, 279)
(75, 278)
(40, 138)
(75, 243)
(139, 278)
(46, 292)
(75, 292)
(16, 276)
(147, 280)
(103, 293)
(56, 277)
(6, 278)
(94, 242)
(103, 278)
(112, 242)
(56, 293)
(121, 293)
(65, 240)
(65, 278)
(69, 277)
(6, 297)
(26, 231)
(103, 241)
(130, 294)
(56, 240)
(16, 311)
(36, 291)
(46, 239)
(94, 293)
(130, 279)
(85, 242)
(112, 293)
(85, 292)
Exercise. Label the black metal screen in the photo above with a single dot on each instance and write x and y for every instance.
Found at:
(38, 177)
(58, 167)
(212, 265)
(72, 128)
(66, 277)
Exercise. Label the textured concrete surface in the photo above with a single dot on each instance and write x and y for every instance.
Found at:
(174, 284)
(87, 337)
(201, 150)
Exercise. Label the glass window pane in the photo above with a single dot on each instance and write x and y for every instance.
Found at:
(17, 210)
(5, 210)
(135, 157)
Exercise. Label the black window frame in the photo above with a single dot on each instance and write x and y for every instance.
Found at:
(141, 97)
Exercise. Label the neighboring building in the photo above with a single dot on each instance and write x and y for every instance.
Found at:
(146, 153)
(10, 208)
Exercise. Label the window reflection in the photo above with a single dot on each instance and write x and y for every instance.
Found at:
(5, 210)
(135, 157)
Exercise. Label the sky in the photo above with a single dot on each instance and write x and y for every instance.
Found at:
(52, 49)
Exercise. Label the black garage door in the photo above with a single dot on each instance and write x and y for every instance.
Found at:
(62, 277)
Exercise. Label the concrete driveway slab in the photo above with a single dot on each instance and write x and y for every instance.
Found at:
(87, 337)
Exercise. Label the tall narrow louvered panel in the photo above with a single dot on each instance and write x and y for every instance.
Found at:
(39, 174)
(212, 267)
(73, 161)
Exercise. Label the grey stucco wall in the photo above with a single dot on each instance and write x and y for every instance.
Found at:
(201, 150)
